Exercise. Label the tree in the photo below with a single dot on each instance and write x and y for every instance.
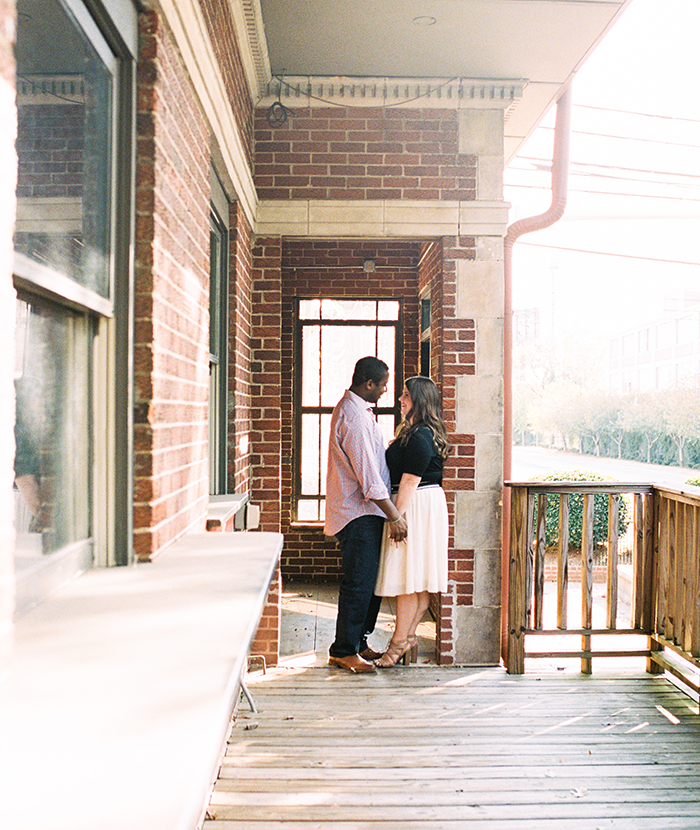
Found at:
(682, 417)
(644, 414)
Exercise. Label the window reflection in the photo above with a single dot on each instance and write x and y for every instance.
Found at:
(51, 429)
(63, 146)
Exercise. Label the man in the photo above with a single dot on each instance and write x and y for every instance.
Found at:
(357, 503)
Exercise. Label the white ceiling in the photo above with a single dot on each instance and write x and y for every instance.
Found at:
(543, 42)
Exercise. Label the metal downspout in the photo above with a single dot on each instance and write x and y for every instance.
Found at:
(560, 170)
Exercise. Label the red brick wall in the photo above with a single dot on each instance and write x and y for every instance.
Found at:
(363, 153)
(267, 638)
(217, 14)
(51, 149)
(171, 336)
(456, 345)
(266, 382)
(240, 334)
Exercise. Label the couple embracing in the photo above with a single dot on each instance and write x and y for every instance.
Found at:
(388, 512)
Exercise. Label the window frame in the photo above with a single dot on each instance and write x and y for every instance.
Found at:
(111, 26)
(299, 411)
(219, 436)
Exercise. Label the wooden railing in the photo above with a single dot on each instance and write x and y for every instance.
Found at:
(665, 574)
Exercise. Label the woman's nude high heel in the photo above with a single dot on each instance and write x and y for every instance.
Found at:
(413, 642)
(396, 650)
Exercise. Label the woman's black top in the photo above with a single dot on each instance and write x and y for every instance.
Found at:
(418, 456)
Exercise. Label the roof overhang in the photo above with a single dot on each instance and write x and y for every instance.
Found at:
(518, 55)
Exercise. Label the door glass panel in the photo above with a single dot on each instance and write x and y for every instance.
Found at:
(310, 455)
(348, 309)
(311, 366)
(64, 138)
(341, 348)
(51, 430)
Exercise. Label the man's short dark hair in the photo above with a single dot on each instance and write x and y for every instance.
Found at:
(369, 368)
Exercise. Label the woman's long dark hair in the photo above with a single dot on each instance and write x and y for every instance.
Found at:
(425, 409)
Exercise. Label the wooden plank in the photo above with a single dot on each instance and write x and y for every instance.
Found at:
(407, 812)
(689, 576)
(592, 487)
(540, 548)
(459, 748)
(586, 577)
(613, 538)
(517, 608)
(638, 583)
(694, 645)
(563, 561)
(625, 823)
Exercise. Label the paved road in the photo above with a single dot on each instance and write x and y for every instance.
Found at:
(534, 461)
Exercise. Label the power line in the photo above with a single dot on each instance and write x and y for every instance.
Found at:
(608, 193)
(628, 138)
(607, 253)
(641, 114)
(609, 167)
(610, 177)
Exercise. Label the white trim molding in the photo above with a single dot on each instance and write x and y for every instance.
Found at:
(443, 93)
(381, 218)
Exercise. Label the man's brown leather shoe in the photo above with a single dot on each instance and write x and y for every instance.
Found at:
(370, 654)
(353, 663)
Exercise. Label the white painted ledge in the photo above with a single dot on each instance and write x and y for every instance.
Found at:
(116, 704)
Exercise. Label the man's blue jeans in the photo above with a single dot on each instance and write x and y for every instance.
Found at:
(360, 544)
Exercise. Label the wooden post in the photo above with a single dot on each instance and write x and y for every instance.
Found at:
(587, 579)
(612, 576)
(520, 534)
(540, 547)
(655, 536)
(563, 563)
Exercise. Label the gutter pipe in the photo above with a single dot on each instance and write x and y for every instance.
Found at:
(560, 170)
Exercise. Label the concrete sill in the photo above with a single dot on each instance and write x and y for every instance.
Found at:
(116, 702)
(223, 512)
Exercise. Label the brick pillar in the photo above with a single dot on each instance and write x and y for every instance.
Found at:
(267, 637)
(453, 351)
(240, 333)
(266, 421)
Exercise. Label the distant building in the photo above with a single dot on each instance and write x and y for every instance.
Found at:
(526, 325)
(660, 355)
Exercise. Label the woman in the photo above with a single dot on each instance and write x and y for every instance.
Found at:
(413, 569)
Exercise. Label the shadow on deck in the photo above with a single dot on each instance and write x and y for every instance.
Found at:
(425, 748)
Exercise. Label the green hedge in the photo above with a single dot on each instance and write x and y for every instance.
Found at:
(600, 510)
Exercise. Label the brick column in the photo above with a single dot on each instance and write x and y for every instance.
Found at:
(266, 422)
(266, 371)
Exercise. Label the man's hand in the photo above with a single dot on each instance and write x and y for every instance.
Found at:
(398, 531)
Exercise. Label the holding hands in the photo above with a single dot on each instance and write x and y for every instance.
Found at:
(398, 529)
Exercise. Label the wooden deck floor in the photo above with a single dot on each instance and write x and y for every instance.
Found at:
(425, 748)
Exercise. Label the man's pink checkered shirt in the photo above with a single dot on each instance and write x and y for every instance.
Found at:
(357, 470)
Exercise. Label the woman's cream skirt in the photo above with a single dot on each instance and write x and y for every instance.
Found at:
(420, 562)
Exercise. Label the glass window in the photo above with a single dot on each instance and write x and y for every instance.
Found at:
(218, 344)
(332, 335)
(64, 141)
(64, 266)
(52, 479)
